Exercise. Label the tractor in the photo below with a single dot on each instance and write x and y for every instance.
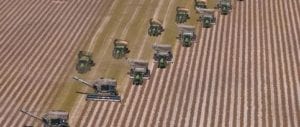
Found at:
(104, 90)
(224, 6)
(84, 62)
(54, 118)
(120, 48)
(182, 14)
(187, 35)
(201, 4)
(138, 71)
(162, 55)
(155, 28)
(207, 17)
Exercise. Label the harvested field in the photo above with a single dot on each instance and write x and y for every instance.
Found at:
(244, 71)
(39, 41)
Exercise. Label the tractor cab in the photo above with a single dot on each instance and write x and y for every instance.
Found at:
(182, 14)
(84, 62)
(138, 71)
(120, 48)
(187, 35)
(104, 90)
(155, 28)
(162, 55)
(201, 4)
(224, 6)
(207, 17)
(54, 118)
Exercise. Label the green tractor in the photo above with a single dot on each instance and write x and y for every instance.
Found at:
(54, 118)
(155, 28)
(138, 71)
(120, 48)
(182, 14)
(162, 55)
(207, 17)
(104, 90)
(85, 62)
(224, 6)
(200, 3)
(187, 35)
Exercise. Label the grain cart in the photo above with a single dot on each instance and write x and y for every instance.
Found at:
(162, 55)
(84, 62)
(104, 90)
(187, 35)
(182, 14)
(138, 71)
(224, 6)
(54, 118)
(155, 28)
(200, 3)
(120, 48)
(207, 17)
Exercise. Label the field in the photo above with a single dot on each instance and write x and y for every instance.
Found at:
(244, 71)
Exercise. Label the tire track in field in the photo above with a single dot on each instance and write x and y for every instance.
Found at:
(48, 50)
(9, 46)
(83, 21)
(216, 71)
(10, 85)
(293, 53)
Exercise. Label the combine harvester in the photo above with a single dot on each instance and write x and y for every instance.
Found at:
(138, 71)
(54, 118)
(182, 15)
(207, 17)
(105, 90)
(187, 35)
(224, 6)
(155, 28)
(200, 4)
(162, 55)
(120, 48)
(84, 62)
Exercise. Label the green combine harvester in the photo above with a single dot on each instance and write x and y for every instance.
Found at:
(155, 29)
(182, 15)
(187, 35)
(54, 118)
(138, 71)
(84, 62)
(224, 6)
(104, 90)
(162, 55)
(207, 17)
(120, 48)
(201, 4)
